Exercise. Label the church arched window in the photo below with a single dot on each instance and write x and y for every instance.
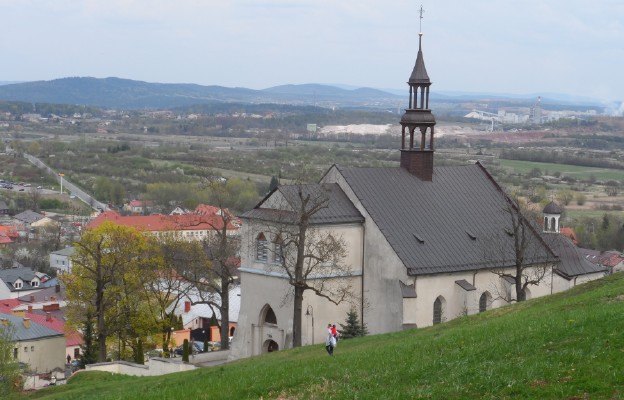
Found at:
(437, 310)
(261, 248)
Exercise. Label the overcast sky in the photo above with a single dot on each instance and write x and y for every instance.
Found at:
(523, 46)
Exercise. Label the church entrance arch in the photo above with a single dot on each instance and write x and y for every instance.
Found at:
(270, 346)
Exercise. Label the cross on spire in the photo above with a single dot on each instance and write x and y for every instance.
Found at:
(421, 11)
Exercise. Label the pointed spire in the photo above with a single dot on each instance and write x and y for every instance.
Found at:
(419, 74)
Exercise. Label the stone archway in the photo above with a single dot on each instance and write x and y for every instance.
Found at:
(269, 346)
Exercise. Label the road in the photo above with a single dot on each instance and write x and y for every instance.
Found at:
(73, 189)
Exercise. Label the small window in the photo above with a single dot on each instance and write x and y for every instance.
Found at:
(32, 348)
(25, 349)
(17, 285)
(437, 311)
(261, 248)
(483, 300)
(34, 283)
(278, 250)
(15, 350)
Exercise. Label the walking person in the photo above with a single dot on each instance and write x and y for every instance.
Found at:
(330, 341)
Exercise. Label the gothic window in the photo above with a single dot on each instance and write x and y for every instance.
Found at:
(483, 302)
(437, 311)
(261, 248)
(546, 228)
(269, 317)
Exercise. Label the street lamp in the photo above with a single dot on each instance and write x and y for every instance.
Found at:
(310, 313)
(61, 175)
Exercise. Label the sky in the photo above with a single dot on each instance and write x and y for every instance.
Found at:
(494, 46)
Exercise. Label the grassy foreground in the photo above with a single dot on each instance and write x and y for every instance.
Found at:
(566, 346)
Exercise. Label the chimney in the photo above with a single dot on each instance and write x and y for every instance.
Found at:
(30, 309)
(26, 322)
(187, 306)
(52, 298)
(57, 288)
(48, 316)
(51, 307)
(32, 298)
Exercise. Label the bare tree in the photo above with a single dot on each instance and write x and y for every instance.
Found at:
(307, 253)
(167, 287)
(215, 276)
(521, 254)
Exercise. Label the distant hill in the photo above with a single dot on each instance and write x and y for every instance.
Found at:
(130, 94)
(126, 93)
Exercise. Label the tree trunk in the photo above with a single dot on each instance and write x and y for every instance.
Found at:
(297, 316)
(299, 287)
(225, 312)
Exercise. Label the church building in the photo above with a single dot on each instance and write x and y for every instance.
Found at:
(424, 244)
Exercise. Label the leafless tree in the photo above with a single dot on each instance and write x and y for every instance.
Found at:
(309, 255)
(215, 273)
(520, 252)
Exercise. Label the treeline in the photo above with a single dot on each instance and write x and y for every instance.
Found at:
(17, 108)
(586, 160)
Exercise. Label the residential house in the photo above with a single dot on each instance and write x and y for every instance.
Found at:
(138, 206)
(423, 244)
(199, 316)
(4, 208)
(27, 221)
(40, 347)
(8, 234)
(16, 282)
(60, 260)
(47, 307)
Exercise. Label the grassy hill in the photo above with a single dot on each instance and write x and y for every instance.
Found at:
(566, 346)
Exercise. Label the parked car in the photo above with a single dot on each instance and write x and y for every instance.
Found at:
(198, 348)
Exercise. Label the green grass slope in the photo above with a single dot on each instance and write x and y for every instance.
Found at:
(566, 346)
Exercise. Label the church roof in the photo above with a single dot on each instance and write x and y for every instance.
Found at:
(339, 208)
(457, 222)
(572, 261)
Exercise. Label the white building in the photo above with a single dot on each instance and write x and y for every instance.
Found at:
(423, 245)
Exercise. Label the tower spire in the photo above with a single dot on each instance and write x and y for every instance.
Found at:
(418, 159)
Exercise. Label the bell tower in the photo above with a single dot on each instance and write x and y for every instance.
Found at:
(417, 158)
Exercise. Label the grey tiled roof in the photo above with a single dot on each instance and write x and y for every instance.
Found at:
(21, 333)
(447, 225)
(29, 216)
(67, 251)
(8, 276)
(572, 260)
(339, 208)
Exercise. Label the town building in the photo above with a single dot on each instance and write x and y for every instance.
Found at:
(61, 261)
(193, 226)
(39, 347)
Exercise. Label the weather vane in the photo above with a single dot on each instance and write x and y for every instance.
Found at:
(421, 11)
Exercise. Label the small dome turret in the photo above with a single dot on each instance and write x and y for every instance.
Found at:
(552, 214)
